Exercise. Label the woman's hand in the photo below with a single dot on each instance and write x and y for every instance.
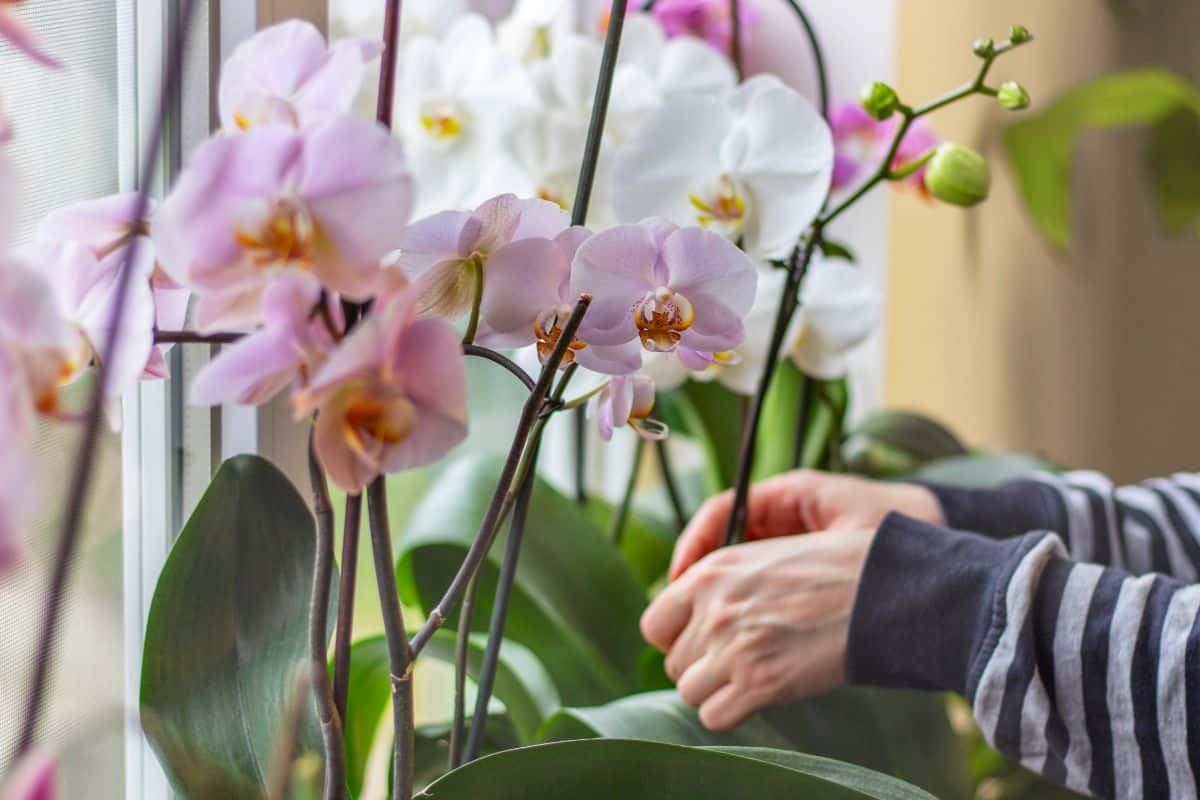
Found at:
(800, 502)
(760, 623)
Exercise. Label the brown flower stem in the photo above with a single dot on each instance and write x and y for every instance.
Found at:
(77, 493)
(318, 632)
(735, 37)
(462, 646)
(400, 655)
(671, 483)
(620, 514)
(387, 63)
(530, 413)
(352, 522)
(193, 337)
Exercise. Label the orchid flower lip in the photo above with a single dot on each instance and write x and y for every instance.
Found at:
(661, 317)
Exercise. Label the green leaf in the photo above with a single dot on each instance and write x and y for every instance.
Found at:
(893, 443)
(1173, 159)
(714, 418)
(433, 747)
(868, 782)
(647, 543)
(1040, 147)
(775, 452)
(982, 471)
(905, 734)
(575, 604)
(229, 624)
(366, 703)
(601, 769)
(837, 250)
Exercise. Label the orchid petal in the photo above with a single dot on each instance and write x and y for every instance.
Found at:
(274, 63)
(19, 35)
(616, 267)
(524, 279)
(33, 777)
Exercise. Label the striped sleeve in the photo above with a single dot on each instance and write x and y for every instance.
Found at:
(1086, 674)
(1153, 526)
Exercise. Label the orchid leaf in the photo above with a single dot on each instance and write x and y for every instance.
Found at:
(893, 443)
(228, 624)
(980, 471)
(575, 604)
(600, 769)
(1041, 146)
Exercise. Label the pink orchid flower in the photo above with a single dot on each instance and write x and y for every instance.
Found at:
(18, 34)
(391, 397)
(16, 467)
(41, 351)
(290, 347)
(31, 778)
(626, 400)
(332, 201)
(861, 143)
(528, 300)
(287, 75)
(442, 253)
(709, 20)
(106, 226)
(678, 290)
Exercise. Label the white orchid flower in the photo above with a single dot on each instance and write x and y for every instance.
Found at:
(533, 27)
(754, 165)
(457, 98)
(839, 308)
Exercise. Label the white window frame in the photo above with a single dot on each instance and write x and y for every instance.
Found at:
(169, 450)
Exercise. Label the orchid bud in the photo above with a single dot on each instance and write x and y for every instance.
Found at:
(1013, 96)
(1019, 34)
(984, 47)
(958, 175)
(879, 100)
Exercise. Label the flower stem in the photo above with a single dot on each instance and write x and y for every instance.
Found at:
(345, 608)
(671, 483)
(462, 642)
(476, 301)
(192, 337)
(595, 134)
(68, 540)
(387, 63)
(803, 412)
(814, 42)
(400, 655)
(318, 632)
(616, 525)
(499, 358)
(530, 414)
(735, 37)
(579, 431)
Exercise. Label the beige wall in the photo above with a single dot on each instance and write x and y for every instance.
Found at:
(1090, 359)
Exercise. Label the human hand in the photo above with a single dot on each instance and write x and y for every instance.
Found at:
(760, 623)
(800, 502)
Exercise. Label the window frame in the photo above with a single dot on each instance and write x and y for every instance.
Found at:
(169, 449)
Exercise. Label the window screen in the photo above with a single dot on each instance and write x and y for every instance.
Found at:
(74, 139)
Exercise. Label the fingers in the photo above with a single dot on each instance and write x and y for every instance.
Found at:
(776, 508)
(729, 706)
(668, 615)
(702, 679)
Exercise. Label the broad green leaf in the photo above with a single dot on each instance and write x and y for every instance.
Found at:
(714, 419)
(1174, 162)
(892, 443)
(646, 543)
(229, 624)
(868, 782)
(576, 603)
(366, 702)
(602, 769)
(433, 747)
(900, 733)
(1041, 146)
(775, 453)
(981, 471)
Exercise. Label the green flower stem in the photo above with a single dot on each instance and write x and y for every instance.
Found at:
(671, 483)
(400, 654)
(531, 413)
(352, 520)
(476, 267)
(318, 632)
(807, 386)
(616, 525)
(77, 493)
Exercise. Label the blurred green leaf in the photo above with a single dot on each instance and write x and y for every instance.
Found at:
(868, 782)
(894, 443)
(905, 734)
(575, 604)
(602, 769)
(646, 543)
(837, 250)
(229, 624)
(980, 470)
(776, 447)
(713, 417)
(1041, 146)
(433, 747)
(1174, 163)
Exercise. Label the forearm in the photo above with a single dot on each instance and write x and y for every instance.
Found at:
(1087, 675)
(1153, 526)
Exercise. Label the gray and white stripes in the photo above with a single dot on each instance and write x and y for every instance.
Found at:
(1094, 675)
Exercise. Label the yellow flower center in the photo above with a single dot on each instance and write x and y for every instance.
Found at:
(443, 120)
(284, 238)
(661, 317)
(721, 207)
(548, 330)
(369, 424)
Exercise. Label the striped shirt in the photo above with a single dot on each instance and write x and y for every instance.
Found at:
(1066, 610)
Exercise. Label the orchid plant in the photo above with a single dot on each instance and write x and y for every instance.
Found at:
(600, 189)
